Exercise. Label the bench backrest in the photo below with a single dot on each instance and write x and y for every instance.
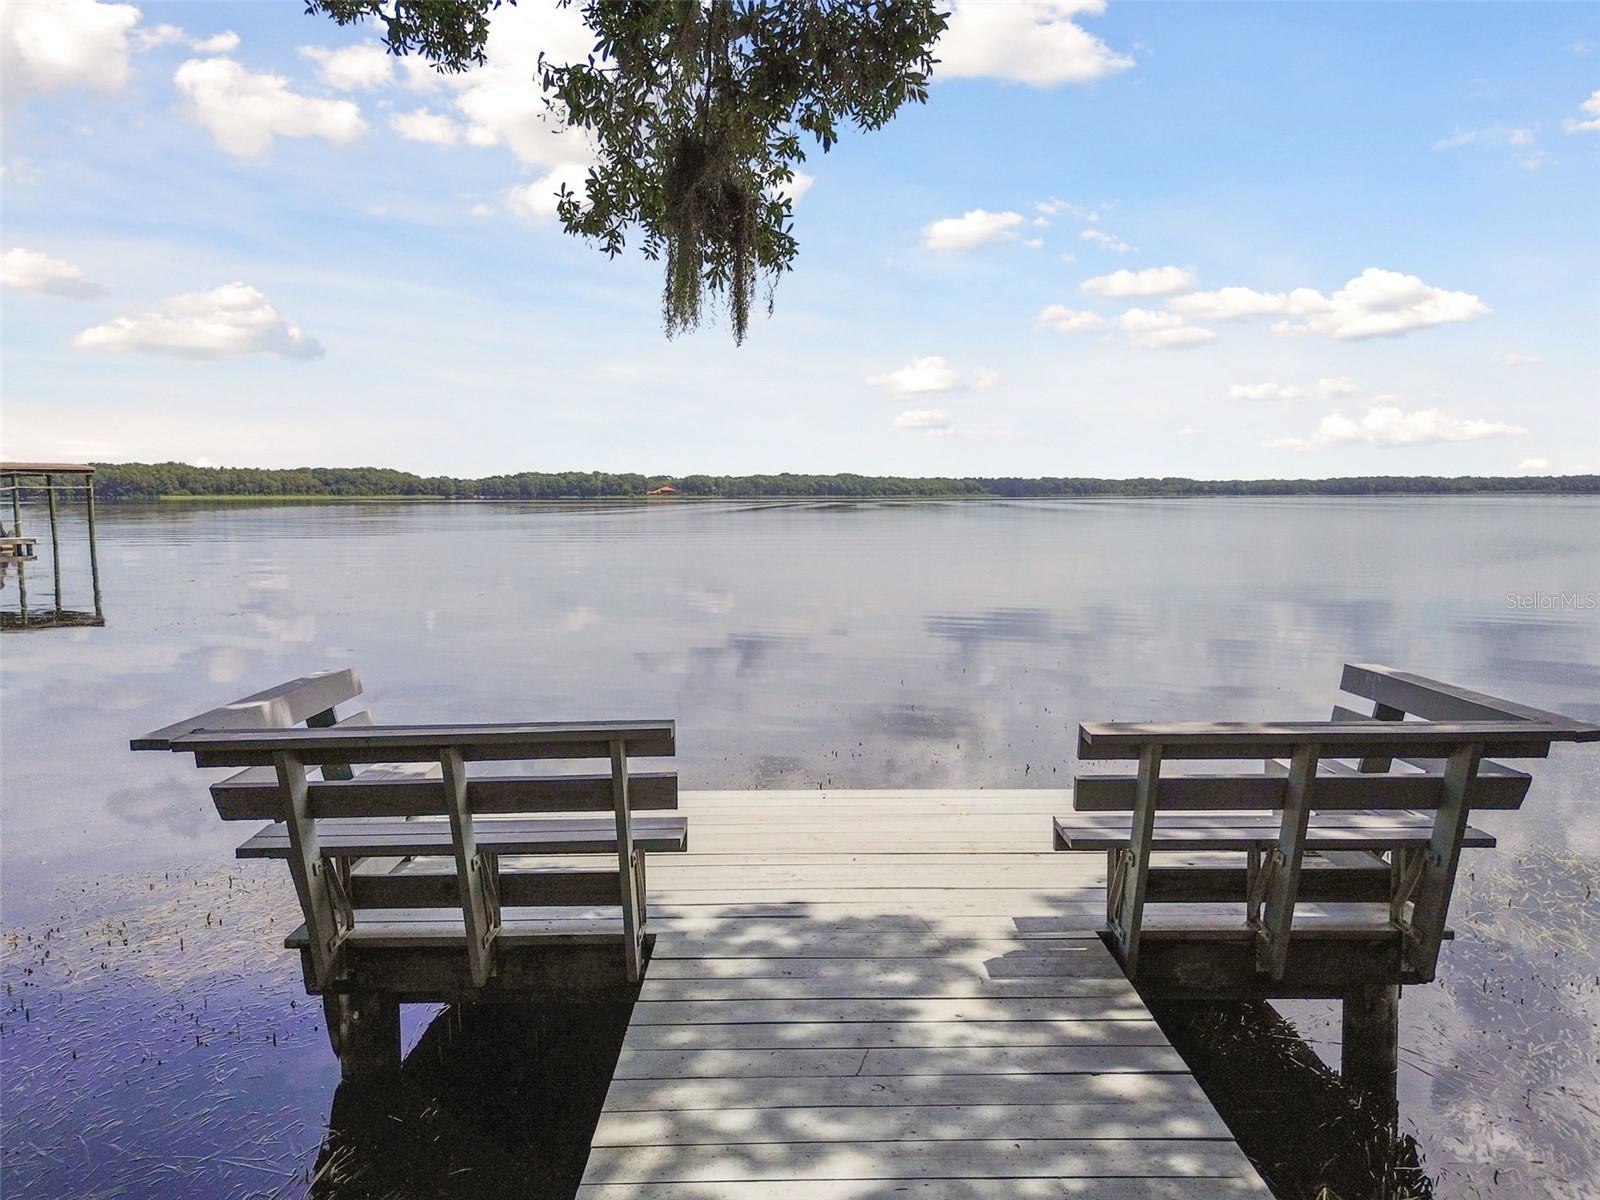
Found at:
(334, 770)
(1445, 767)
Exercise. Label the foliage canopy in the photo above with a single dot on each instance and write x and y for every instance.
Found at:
(698, 111)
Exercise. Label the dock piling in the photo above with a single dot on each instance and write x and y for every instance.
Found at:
(1369, 1051)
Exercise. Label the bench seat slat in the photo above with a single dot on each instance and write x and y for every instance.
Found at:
(402, 931)
(430, 883)
(1244, 831)
(382, 838)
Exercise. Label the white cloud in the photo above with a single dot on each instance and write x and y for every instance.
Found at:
(171, 35)
(1061, 319)
(971, 230)
(1391, 425)
(501, 101)
(1327, 387)
(1534, 464)
(797, 187)
(1519, 360)
(1518, 140)
(929, 374)
(1162, 330)
(360, 67)
(33, 271)
(1187, 431)
(244, 110)
(63, 44)
(1267, 391)
(1589, 122)
(421, 125)
(1058, 208)
(1035, 243)
(230, 320)
(1378, 303)
(1152, 281)
(537, 201)
(924, 420)
(1036, 43)
(225, 42)
(1108, 241)
(1228, 304)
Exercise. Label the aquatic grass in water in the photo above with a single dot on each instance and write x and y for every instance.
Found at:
(938, 645)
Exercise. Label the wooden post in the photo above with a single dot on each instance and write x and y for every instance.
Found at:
(627, 864)
(1136, 868)
(478, 909)
(1437, 872)
(1369, 1049)
(55, 537)
(326, 926)
(1272, 943)
(327, 719)
(364, 1028)
(94, 553)
(16, 531)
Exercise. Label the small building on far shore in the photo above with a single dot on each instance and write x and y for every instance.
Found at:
(666, 489)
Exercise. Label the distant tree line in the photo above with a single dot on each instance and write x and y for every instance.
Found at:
(151, 481)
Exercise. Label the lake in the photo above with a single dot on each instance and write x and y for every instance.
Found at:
(157, 1042)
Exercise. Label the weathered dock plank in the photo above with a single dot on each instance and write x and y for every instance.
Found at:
(894, 993)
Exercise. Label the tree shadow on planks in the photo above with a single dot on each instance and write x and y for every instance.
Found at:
(1308, 1135)
(494, 1100)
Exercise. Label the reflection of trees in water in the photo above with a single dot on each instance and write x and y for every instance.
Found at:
(494, 1100)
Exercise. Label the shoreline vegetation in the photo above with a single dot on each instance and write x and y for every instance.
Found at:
(179, 481)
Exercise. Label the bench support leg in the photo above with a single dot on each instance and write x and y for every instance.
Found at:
(1369, 1052)
(364, 1028)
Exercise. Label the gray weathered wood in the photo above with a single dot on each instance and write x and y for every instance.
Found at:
(251, 796)
(1434, 700)
(475, 871)
(1338, 739)
(281, 706)
(533, 835)
(1424, 928)
(326, 919)
(1336, 789)
(1282, 866)
(422, 743)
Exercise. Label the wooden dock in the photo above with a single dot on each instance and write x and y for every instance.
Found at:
(898, 994)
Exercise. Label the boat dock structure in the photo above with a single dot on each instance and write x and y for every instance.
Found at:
(56, 485)
(894, 993)
(843, 994)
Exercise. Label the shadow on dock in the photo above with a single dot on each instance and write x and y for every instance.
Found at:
(1310, 1136)
(493, 1100)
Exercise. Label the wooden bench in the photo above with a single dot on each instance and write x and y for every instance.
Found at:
(1351, 838)
(422, 880)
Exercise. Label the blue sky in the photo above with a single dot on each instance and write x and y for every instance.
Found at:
(1235, 240)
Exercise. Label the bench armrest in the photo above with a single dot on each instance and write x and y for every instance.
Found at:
(287, 704)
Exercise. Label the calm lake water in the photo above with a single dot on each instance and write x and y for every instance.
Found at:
(156, 1043)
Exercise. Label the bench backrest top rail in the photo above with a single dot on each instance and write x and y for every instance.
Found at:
(284, 705)
(1335, 739)
(421, 743)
